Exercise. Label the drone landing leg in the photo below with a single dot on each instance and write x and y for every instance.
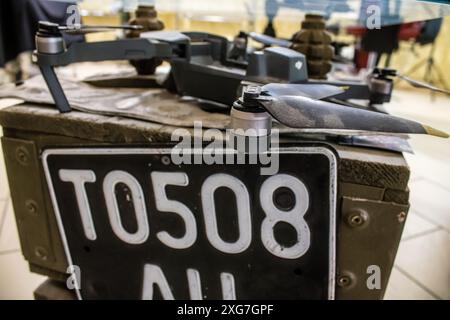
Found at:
(55, 89)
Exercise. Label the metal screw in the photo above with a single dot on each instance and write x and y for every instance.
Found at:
(252, 91)
(22, 155)
(357, 218)
(165, 160)
(41, 253)
(344, 281)
(401, 217)
(31, 206)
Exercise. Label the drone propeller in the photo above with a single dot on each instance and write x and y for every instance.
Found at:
(386, 73)
(313, 91)
(420, 84)
(85, 29)
(268, 40)
(297, 111)
(79, 29)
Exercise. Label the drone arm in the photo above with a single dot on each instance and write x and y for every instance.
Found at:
(126, 49)
(129, 49)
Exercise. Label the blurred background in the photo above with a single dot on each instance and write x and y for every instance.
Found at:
(414, 41)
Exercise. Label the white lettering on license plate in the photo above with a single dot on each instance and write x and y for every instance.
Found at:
(293, 217)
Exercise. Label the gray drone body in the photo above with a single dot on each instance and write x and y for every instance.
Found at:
(201, 67)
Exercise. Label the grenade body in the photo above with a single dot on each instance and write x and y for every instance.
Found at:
(315, 43)
(147, 17)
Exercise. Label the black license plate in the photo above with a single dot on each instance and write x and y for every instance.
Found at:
(137, 226)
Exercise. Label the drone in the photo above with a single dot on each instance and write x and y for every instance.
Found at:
(211, 68)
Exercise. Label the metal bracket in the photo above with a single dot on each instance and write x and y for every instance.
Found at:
(369, 233)
(23, 167)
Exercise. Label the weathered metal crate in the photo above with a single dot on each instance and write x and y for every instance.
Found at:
(372, 194)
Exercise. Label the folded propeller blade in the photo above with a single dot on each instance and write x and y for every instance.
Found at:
(313, 91)
(269, 41)
(420, 84)
(307, 113)
(86, 29)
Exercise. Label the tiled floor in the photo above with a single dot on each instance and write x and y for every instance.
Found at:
(422, 267)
